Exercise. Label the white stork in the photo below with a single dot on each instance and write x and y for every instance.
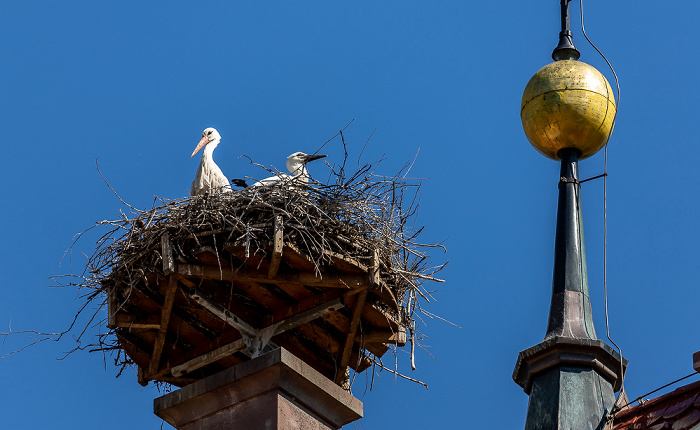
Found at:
(296, 164)
(209, 176)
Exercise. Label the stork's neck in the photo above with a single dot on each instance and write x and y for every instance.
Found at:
(208, 152)
(298, 169)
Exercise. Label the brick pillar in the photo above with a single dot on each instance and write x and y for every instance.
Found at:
(275, 391)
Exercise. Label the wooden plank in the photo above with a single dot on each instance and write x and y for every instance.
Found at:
(379, 317)
(313, 279)
(209, 256)
(374, 270)
(222, 313)
(295, 290)
(323, 339)
(167, 254)
(340, 378)
(308, 315)
(200, 349)
(132, 322)
(255, 261)
(307, 304)
(277, 246)
(134, 347)
(164, 322)
(141, 377)
(297, 259)
(345, 263)
(208, 358)
(393, 337)
(112, 307)
(261, 295)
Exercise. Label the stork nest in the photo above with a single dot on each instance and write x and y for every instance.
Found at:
(363, 218)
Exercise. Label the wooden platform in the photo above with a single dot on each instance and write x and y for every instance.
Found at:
(219, 306)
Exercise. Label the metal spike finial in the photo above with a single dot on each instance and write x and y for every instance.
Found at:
(565, 50)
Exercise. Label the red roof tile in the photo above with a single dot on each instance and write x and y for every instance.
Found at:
(677, 410)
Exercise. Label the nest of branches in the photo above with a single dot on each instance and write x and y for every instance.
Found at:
(355, 225)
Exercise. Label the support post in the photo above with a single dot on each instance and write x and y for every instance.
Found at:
(164, 321)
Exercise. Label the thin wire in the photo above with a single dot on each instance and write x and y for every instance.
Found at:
(605, 200)
(658, 389)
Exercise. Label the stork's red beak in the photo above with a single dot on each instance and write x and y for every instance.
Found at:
(203, 141)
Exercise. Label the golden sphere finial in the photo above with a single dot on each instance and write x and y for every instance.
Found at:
(567, 104)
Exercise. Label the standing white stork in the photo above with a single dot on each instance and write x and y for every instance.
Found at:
(296, 164)
(209, 176)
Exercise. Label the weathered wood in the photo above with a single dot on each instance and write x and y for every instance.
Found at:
(380, 317)
(167, 254)
(295, 290)
(210, 256)
(132, 322)
(152, 304)
(305, 278)
(345, 263)
(255, 260)
(307, 304)
(298, 260)
(324, 340)
(277, 247)
(112, 307)
(141, 377)
(208, 358)
(308, 315)
(134, 347)
(393, 337)
(261, 295)
(164, 322)
(374, 270)
(222, 313)
(350, 339)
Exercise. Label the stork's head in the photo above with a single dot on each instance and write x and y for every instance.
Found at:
(296, 162)
(208, 135)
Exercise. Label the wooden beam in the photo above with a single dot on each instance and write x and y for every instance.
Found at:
(167, 254)
(112, 307)
(164, 321)
(255, 260)
(306, 304)
(277, 246)
(380, 317)
(280, 327)
(222, 313)
(313, 279)
(208, 358)
(141, 377)
(394, 337)
(297, 259)
(308, 316)
(132, 322)
(345, 263)
(340, 378)
(374, 270)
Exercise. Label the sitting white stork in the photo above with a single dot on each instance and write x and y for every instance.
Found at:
(296, 164)
(209, 177)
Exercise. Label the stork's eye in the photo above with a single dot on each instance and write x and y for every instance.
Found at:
(209, 132)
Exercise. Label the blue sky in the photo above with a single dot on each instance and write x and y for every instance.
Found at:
(135, 83)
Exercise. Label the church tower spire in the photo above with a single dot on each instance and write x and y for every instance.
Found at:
(567, 112)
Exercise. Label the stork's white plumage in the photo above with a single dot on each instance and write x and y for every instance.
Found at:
(209, 176)
(296, 164)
